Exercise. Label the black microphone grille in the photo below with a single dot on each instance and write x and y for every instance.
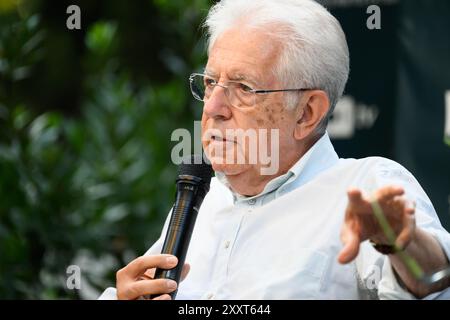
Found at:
(194, 165)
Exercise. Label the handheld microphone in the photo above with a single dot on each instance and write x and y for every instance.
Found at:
(194, 177)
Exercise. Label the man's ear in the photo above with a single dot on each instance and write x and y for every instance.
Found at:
(313, 107)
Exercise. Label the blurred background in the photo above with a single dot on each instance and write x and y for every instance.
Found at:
(86, 117)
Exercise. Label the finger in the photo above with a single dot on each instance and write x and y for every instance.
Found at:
(397, 205)
(405, 235)
(409, 211)
(403, 239)
(139, 265)
(151, 287)
(354, 195)
(357, 203)
(351, 240)
(150, 273)
(163, 297)
(389, 192)
(410, 206)
(185, 271)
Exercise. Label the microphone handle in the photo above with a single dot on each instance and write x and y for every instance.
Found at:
(190, 195)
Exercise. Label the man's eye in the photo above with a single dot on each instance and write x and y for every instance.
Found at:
(209, 82)
(244, 87)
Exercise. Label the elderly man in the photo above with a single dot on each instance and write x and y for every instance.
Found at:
(283, 65)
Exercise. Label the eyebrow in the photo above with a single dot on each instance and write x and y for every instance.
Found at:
(242, 77)
(210, 73)
(232, 76)
(239, 77)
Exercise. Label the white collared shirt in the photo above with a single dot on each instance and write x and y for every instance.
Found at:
(284, 242)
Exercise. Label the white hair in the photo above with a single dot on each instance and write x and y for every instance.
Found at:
(315, 52)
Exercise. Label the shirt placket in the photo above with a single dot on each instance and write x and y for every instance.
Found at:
(229, 235)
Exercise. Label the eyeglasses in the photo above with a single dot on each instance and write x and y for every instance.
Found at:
(239, 95)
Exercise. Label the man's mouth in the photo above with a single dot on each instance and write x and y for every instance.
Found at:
(218, 139)
(217, 136)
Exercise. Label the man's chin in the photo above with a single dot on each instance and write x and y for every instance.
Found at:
(228, 169)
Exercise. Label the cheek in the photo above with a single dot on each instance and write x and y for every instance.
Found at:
(263, 117)
(271, 116)
(278, 119)
(204, 118)
(259, 122)
(203, 127)
(283, 120)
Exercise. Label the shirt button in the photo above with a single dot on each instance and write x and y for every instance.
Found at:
(209, 296)
(251, 201)
(227, 244)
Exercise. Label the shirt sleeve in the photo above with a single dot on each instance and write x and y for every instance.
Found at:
(108, 294)
(388, 172)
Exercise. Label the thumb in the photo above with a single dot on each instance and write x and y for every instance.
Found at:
(351, 242)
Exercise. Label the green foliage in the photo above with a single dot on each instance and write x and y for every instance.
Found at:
(90, 186)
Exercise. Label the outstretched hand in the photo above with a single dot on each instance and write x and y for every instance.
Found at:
(361, 224)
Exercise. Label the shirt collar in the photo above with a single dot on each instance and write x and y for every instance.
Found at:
(318, 158)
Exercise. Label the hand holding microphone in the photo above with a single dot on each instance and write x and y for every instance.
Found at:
(136, 280)
(153, 277)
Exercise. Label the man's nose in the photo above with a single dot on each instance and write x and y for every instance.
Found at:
(218, 105)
